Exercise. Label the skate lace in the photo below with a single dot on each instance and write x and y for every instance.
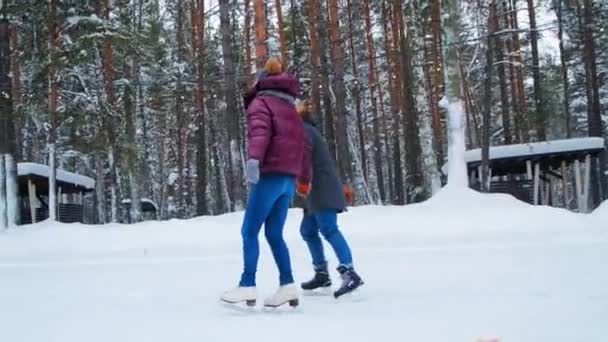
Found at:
(347, 280)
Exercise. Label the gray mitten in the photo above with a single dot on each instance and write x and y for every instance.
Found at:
(252, 171)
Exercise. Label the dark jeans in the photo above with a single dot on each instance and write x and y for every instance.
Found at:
(325, 222)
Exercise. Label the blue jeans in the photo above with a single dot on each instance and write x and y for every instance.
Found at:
(326, 222)
(268, 204)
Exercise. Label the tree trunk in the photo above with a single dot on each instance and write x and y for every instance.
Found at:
(519, 73)
(315, 57)
(222, 199)
(247, 41)
(487, 102)
(15, 65)
(131, 153)
(9, 203)
(541, 117)
(12, 191)
(3, 197)
(108, 118)
(282, 39)
(344, 159)
(594, 114)
(436, 89)
(260, 33)
(413, 149)
(133, 128)
(500, 69)
(564, 65)
(198, 42)
(232, 114)
(180, 113)
(356, 90)
(390, 33)
(53, 97)
(517, 115)
(372, 84)
(100, 198)
(328, 115)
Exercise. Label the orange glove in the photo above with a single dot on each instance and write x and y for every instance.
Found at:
(348, 194)
(302, 189)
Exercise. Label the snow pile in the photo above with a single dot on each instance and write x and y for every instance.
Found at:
(453, 216)
(457, 167)
(601, 214)
(457, 267)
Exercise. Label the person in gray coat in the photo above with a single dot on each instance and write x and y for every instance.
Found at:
(324, 199)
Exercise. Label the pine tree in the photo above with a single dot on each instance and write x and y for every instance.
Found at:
(540, 115)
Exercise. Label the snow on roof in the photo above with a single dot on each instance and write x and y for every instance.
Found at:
(25, 169)
(531, 149)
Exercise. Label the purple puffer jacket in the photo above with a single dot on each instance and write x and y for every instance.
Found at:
(275, 131)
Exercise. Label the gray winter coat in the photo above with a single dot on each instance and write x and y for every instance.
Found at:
(326, 190)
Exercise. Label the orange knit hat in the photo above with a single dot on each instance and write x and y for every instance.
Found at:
(273, 66)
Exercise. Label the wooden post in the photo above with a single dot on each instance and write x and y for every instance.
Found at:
(58, 203)
(31, 188)
(565, 184)
(547, 191)
(582, 185)
(577, 185)
(472, 177)
(536, 182)
(552, 197)
(81, 202)
(3, 199)
(586, 182)
(529, 169)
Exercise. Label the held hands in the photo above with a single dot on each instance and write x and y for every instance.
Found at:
(302, 189)
(252, 171)
(304, 107)
(348, 194)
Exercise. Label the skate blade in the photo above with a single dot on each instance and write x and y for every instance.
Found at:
(321, 292)
(293, 304)
(354, 296)
(240, 307)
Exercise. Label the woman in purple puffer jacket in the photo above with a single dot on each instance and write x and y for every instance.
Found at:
(278, 153)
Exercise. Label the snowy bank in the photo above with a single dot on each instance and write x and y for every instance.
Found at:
(453, 216)
(455, 268)
(601, 214)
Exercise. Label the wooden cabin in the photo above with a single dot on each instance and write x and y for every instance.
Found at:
(34, 189)
(542, 173)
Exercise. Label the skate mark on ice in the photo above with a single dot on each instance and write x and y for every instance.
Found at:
(326, 292)
(240, 309)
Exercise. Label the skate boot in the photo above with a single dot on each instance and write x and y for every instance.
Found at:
(350, 281)
(285, 294)
(321, 280)
(239, 295)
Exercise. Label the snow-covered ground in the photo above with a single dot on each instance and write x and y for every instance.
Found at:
(456, 268)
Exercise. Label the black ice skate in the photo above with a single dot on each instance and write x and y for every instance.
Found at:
(321, 280)
(350, 281)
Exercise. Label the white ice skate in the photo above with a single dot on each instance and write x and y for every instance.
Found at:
(240, 294)
(285, 294)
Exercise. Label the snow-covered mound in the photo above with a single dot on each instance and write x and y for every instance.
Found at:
(461, 216)
(458, 267)
(601, 214)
